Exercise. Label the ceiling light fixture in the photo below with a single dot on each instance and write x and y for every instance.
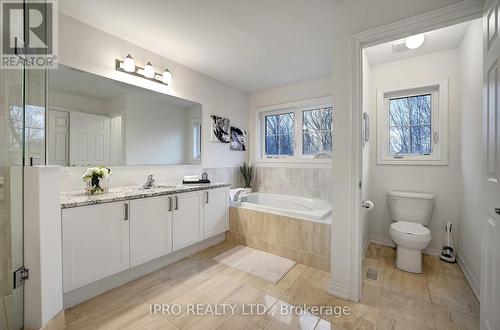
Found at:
(415, 41)
(148, 72)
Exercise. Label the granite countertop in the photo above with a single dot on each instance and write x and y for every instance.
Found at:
(71, 199)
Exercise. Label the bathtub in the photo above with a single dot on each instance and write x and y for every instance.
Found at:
(290, 206)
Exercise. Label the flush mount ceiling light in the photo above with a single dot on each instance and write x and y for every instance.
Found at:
(415, 41)
(148, 72)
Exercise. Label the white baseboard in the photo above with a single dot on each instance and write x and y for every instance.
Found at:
(474, 284)
(383, 240)
(365, 245)
(338, 290)
(86, 292)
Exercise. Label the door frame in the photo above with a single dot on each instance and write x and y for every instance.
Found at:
(457, 13)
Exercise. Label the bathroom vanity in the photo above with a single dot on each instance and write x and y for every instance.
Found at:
(106, 234)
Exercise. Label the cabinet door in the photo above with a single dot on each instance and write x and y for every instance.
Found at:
(95, 243)
(215, 212)
(150, 229)
(187, 219)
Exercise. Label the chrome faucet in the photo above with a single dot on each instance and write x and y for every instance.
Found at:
(150, 182)
(237, 195)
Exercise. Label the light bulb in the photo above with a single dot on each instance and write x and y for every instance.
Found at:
(149, 71)
(167, 77)
(415, 41)
(129, 64)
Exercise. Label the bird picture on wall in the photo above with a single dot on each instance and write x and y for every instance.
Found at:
(238, 139)
(220, 129)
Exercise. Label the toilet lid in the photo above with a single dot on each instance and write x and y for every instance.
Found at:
(410, 228)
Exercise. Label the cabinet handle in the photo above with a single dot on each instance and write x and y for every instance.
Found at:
(176, 203)
(125, 218)
(206, 193)
(170, 204)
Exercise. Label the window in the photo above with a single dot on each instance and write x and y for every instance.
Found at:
(412, 126)
(196, 138)
(317, 132)
(279, 134)
(296, 133)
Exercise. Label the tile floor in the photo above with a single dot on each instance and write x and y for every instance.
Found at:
(440, 298)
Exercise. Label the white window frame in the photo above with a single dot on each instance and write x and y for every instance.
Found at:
(439, 125)
(297, 108)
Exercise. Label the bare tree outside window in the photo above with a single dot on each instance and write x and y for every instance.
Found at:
(410, 120)
(279, 134)
(317, 132)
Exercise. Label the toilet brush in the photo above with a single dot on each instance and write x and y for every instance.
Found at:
(448, 254)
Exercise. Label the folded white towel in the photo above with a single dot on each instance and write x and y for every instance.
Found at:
(191, 178)
(233, 192)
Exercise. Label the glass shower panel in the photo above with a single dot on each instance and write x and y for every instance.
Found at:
(35, 111)
(11, 195)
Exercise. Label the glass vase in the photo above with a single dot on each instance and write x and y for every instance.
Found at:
(97, 186)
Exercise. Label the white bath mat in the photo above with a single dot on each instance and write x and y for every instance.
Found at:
(267, 266)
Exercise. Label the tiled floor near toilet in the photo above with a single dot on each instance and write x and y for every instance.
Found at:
(440, 298)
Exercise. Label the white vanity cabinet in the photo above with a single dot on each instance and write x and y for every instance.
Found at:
(95, 243)
(150, 229)
(215, 211)
(187, 219)
(107, 238)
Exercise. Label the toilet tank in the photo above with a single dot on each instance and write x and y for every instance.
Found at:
(411, 206)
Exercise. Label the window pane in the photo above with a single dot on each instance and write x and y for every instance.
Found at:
(279, 134)
(410, 125)
(317, 132)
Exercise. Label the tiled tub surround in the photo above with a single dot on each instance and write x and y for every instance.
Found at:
(304, 241)
(303, 182)
(79, 198)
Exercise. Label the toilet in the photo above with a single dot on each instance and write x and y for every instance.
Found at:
(411, 214)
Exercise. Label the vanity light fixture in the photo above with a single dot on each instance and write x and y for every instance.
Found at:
(166, 77)
(129, 64)
(148, 72)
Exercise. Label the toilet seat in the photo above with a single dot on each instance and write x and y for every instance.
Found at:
(410, 228)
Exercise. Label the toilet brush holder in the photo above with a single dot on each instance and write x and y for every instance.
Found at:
(448, 254)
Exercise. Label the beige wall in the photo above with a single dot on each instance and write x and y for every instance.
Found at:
(313, 181)
(471, 66)
(441, 180)
(95, 51)
(349, 19)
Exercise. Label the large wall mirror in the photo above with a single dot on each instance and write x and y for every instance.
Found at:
(93, 120)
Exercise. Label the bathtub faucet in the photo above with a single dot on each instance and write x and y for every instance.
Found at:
(237, 195)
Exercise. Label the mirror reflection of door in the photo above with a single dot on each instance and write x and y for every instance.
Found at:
(58, 137)
(95, 121)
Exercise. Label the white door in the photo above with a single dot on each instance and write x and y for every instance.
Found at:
(150, 229)
(215, 212)
(187, 219)
(490, 263)
(95, 243)
(90, 137)
(58, 138)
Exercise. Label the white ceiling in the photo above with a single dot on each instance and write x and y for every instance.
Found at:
(435, 41)
(248, 44)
